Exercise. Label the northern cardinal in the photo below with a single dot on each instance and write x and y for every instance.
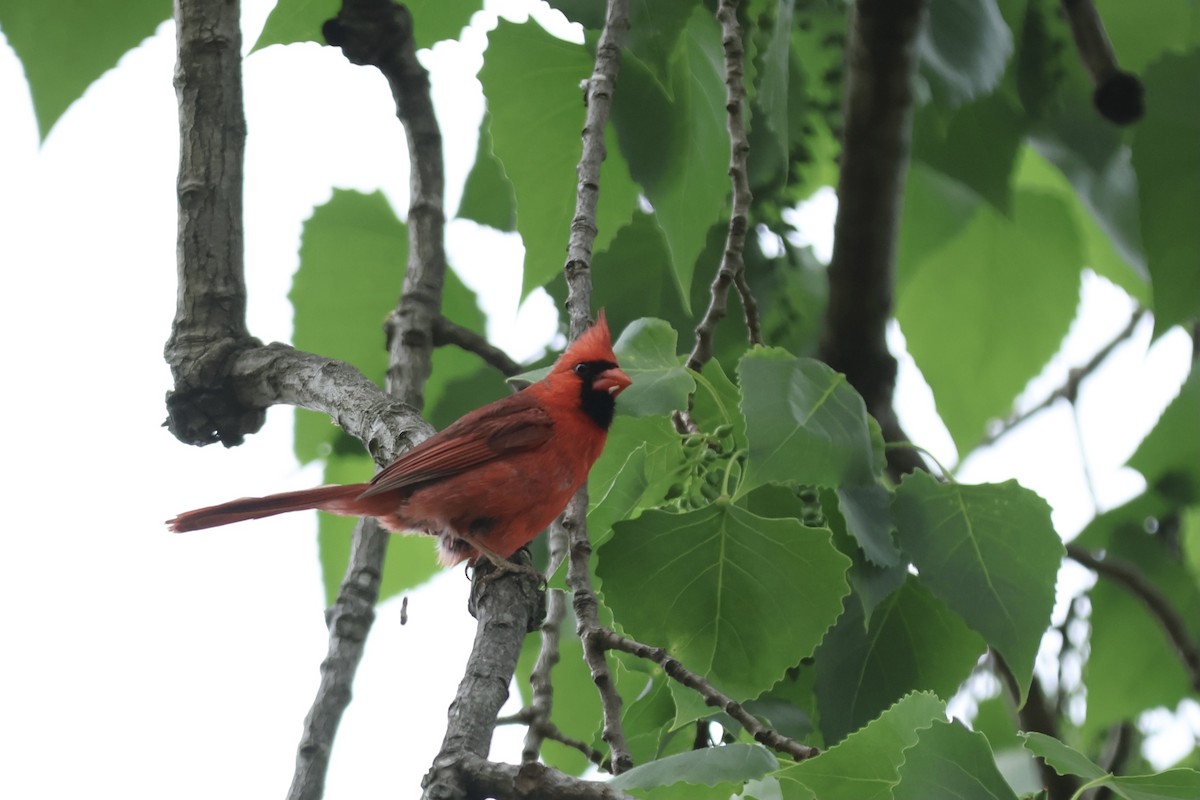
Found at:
(488, 483)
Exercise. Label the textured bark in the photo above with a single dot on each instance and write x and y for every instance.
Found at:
(210, 310)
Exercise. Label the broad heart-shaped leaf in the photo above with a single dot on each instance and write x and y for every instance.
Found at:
(301, 20)
(950, 762)
(804, 423)
(1169, 456)
(411, 559)
(673, 136)
(990, 553)
(984, 313)
(913, 642)
(865, 766)
(488, 195)
(710, 766)
(868, 515)
(646, 351)
(964, 49)
(1166, 145)
(735, 597)
(65, 45)
(1175, 784)
(716, 402)
(531, 81)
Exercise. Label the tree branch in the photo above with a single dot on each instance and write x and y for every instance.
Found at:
(598, 97)
(762, 734)
(1119, 96)
(446, 332)
(210, 310)
(1131, 578)
(882, 64)
(540, 684)
(530, 781)
(1069, 391)
(379, 33)
(732, 269)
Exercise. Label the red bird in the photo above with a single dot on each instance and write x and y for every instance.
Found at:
(490, 482)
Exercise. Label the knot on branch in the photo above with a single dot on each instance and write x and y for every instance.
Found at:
(370, 32)
(204, 407)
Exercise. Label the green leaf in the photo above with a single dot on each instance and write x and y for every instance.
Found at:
(865, 766)
(674, 138)
(999, 298)
(642, 459)
(1175, 784)
(733, 596)
(1166, 145)
(646, 351)
(716, 402)
(913, 642)
(1063, 759)
(951, 762)
(488, 195)
(773, 95)
(65, 45)
(990, 553)
(951, 146)
(531, 81)
(710, 766)
(965, 48)
(804, 423)
(1169, 456)
(293, 21)
(338, 311)
(867, 511)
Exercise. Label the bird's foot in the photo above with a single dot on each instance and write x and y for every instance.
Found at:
(502, 566)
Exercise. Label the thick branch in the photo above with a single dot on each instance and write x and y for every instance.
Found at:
(732, 268)
(762, 734)
(1131, 578)
(882, 65)
(506, 608)
(530, 781)
(210, 309)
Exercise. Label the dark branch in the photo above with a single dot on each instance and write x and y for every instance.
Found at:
(540, 684)
(1131, 578)
(209, 329)
(446, 332)
(1119, 96)
(882, 64)
(762, 734)
(731, 271)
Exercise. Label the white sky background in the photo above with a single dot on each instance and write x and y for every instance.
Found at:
(156, 665)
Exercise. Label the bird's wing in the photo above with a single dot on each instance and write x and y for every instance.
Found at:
(511, 425)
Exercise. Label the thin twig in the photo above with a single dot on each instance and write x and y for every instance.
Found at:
(578, 274)
(541, 687)
(446, 332)
(1131, 578)
(762, 734)
(379, 33)
(1069, 390)
(599, 94)
(732, 264)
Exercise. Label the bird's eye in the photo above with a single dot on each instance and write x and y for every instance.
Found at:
(581, 369)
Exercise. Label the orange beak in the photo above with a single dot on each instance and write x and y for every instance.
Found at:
(613, 381)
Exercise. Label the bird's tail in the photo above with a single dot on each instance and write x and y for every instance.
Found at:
(334, 499)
